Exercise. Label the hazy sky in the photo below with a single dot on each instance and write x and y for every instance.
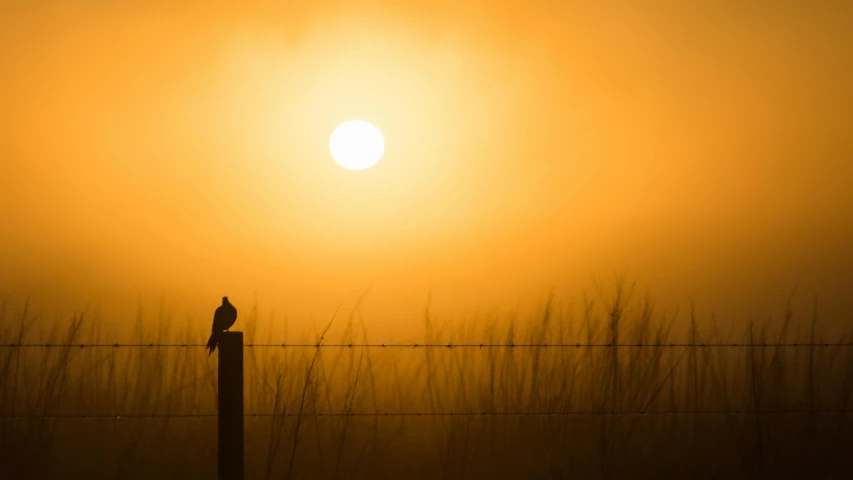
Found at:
(154, 149)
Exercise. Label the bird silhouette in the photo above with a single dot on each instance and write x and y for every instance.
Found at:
(223, 319)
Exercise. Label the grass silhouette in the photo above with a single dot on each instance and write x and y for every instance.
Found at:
(294, 384)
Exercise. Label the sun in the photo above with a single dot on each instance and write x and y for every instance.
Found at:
(356, 144)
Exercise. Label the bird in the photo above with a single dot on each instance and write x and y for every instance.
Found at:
(223, 319)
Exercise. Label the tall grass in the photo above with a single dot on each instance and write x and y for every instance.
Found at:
(292, 383)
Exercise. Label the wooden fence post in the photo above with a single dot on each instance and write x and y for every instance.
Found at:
(231, 406)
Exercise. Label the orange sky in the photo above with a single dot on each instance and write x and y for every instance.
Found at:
(154, 150)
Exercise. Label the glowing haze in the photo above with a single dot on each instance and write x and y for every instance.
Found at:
(182, 151)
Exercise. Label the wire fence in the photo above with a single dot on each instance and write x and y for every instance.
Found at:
(442, 345)
(586, 413)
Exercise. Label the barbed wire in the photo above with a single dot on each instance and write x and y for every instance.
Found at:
(444, 345)
(579, 413)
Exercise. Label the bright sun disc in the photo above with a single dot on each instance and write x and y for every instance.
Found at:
(356, 144)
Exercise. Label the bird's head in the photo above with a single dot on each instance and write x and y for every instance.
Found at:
(224, 300)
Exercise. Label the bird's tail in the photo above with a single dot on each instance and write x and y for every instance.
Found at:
(212, 342)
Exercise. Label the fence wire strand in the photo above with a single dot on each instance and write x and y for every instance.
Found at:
(442, 345)
(582, 413)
